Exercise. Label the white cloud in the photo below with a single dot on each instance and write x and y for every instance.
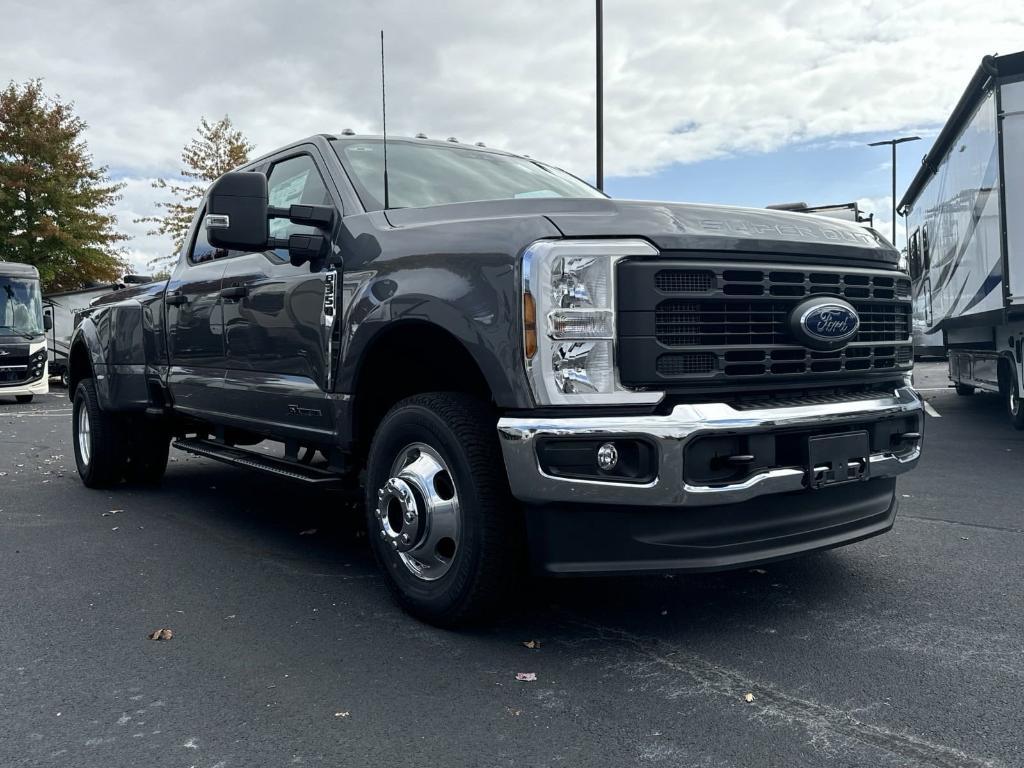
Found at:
(684, 81)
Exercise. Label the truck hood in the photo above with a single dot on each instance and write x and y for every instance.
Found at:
(678, 226)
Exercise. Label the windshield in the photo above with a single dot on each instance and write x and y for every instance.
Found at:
(421, 174)
(21, 307)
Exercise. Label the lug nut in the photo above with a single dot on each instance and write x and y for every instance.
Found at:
(405, 538)
(394, 545)
(409, 517)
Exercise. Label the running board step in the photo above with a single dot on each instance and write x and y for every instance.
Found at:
(242, 458)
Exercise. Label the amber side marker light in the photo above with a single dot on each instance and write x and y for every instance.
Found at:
(529, 326)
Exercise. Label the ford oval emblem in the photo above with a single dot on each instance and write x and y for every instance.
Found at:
(824, 323)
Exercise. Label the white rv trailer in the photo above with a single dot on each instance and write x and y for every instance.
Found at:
(844, 211)
(63, 308)
(965, 219)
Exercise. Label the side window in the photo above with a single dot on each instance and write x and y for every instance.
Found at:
(201, 249)
(915, 256)
(292, 181)
(926, 254)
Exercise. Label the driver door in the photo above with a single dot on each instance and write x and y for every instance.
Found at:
(276, 329)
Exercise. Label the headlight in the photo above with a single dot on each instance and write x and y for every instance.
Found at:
(569, 321)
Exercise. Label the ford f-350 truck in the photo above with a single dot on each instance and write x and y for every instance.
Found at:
(515, 368)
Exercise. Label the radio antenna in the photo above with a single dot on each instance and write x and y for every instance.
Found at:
(384, 117)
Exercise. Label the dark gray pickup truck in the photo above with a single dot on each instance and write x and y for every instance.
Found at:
(517, 370)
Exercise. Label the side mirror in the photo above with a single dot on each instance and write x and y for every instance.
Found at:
(236, 212)
(47, 322)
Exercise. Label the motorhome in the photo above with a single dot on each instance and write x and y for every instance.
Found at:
(966, 235)
(23, 369)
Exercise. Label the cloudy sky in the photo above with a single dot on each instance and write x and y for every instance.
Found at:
(740, 102)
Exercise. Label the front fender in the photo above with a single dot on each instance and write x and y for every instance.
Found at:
(479, 308)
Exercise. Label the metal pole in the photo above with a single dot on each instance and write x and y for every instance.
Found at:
(894, 194)
(892, 143)
(600, 96)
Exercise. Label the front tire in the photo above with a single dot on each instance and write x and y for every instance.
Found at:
(24, 399)
(442, 522)
(98, 438)
(964, 390)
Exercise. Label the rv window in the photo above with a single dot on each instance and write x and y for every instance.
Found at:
(915, 256)
(926, 256)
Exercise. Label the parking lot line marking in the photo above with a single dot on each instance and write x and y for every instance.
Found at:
(930, 410)
(64, 412)
(932, 389)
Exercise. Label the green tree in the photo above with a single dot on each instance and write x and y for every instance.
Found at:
(54, 202)
(216, 149)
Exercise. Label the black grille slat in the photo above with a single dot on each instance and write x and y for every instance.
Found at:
(741, 322)
(684, 281)
(686, 364)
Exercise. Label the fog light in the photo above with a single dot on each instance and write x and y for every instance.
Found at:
(607, 457)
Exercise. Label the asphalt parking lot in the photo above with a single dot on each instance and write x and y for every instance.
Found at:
(904, 650)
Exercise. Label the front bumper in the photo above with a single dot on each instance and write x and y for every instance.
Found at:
(671, 433)
(38, 387)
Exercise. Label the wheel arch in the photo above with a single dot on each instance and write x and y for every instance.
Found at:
(409, 357)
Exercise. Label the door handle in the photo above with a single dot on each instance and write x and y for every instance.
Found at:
(234, 292)
(175, 299)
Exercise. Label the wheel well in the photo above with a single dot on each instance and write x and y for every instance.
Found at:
(79, 367)
(405, 360)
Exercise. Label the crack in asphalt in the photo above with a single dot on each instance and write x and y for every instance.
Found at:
(819, 720)
(961, 523)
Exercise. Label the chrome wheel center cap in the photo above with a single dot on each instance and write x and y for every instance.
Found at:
(398, 515)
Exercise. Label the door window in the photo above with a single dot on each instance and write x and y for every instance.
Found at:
(291, 182)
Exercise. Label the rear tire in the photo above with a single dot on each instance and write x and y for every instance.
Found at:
(435, 473)
(1014, 407)
(147, 460)
(98, 438)
(24, 399)
(964, 390)
(65, 378)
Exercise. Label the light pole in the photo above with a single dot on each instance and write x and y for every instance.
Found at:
(600, 95)
(894, 142)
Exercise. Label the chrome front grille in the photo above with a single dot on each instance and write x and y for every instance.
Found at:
(695, 322)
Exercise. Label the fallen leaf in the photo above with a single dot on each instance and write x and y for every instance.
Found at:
(526, 677)
(161, 634)
(307, 532)
(342, 714)
(115, 528)
(748, 697)
(531, 644)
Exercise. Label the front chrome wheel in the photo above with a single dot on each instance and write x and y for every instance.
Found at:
(418, 512)
(84, 436)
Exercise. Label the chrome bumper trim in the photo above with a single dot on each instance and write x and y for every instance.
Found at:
(671, 433)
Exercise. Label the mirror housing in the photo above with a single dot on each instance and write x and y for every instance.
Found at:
(236, 212)
(47, 321)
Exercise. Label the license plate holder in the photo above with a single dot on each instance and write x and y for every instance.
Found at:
(837, 459)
